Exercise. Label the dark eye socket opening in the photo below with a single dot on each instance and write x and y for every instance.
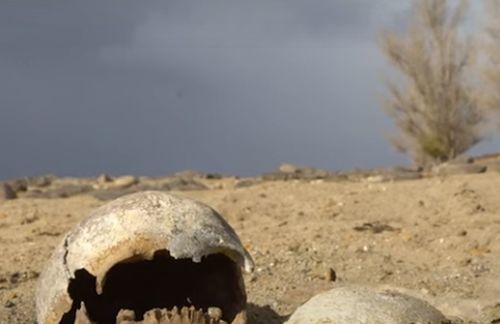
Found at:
(163, 282)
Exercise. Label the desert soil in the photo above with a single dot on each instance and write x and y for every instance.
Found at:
(436, 238)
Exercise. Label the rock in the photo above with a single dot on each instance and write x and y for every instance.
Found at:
(9, 304)
(447, 169)
(19, 185)
(20, 277)
(290, 172)
(331, 275)
(175, 184)
(214, 176)
(40, 181)
(289, 168)
(375, 227)
(63, 191)
(399, 174)
(154, 250)
(247, 182)
(110, 194)
(462, 159)
(360, 305)
(189, 174)
(70, 190)
(402, 176)
(277, 176)
(181, 184)
(104, 179)
(6, 192)
(125, 181)
(389, 174)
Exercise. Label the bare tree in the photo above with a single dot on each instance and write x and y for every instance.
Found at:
(436, 111)
(491, 71)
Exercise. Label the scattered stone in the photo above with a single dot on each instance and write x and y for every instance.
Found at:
(375, 227)
(9, 304)
(181, 184)
(125, 181)
(447, 169)
(14, 278)
(30, 218)
(294, 172)
(104, 179)
(398, 174)
(385, 174)
(47, 233)
(189, 174)
(20, 277)
(331, 275)
(19, 185)
(462, 159)
(376, 179)
(289, 168)
(6, 192)
(351, 304)
(248, 182)
(63, 191)
(402, 176)
(110, 194)
(214, 176)
(40, 181)
(71, 190)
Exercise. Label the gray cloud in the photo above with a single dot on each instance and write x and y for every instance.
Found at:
(228, 86)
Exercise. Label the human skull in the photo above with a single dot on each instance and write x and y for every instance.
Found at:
(145, 251)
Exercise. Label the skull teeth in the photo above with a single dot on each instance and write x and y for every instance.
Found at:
(184, 315)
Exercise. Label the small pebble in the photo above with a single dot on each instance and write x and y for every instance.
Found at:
(331, 275)
(9, 304)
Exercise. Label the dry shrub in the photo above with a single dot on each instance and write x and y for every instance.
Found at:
(436, 111)
(491, 71)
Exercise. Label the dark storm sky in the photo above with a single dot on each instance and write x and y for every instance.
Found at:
(153, 87)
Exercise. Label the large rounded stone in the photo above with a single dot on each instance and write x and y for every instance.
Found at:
(361, 305)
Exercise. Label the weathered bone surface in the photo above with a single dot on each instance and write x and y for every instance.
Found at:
(130, 229)
(361, 305)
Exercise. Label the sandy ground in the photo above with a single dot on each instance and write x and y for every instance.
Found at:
(436, 238)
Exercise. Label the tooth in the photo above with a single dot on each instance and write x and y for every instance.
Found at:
(215, 313)
(82, 316)
(125, 315)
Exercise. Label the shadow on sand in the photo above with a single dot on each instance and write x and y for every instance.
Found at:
(263, 314)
